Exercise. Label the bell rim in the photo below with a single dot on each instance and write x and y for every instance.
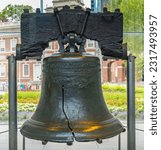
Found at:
(75, 136)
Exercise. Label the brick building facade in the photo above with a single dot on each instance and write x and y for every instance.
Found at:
(29, 72)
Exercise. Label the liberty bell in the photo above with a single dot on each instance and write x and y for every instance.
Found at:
(71, 106)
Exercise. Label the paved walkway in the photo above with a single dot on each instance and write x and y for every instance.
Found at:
(108, 144)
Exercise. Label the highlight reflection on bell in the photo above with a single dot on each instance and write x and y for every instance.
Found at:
(71, 104)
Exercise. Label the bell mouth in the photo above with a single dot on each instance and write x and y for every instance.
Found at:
(82, 131)
(71, 106)
(50, 132)
(92, 131)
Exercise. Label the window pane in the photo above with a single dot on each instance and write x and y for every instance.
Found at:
(2, 70)
(37, 72)
(13, 44)
(50, 46)
(56, 45)
(26, 70)
(2, 46)
(90, 43)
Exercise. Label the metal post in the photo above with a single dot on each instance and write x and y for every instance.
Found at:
(23, 143)
(12, 103)
(119, 142)
(41, 6)
(131, 102)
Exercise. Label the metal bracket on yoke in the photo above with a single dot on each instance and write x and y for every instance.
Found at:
(72, 39)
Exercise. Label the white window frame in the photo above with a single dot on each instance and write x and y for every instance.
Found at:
(91, 42)
(3, 57)
(116, 72)
(50, 46)
(24, 70)
(3, 47)
(4, 70)
(56, 44)
(11, 44)
(34, 67)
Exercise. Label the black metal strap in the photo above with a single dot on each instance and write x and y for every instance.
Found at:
(85, 21)
(59, 22)
(79, 40)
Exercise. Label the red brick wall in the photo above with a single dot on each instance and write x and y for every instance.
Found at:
(112, 70)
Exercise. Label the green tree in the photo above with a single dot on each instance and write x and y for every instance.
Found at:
(113, 4)
(133, 11)
(13, 12)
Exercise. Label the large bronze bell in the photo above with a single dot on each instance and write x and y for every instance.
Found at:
(71, 104)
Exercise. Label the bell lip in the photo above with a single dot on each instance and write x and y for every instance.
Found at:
(72, 139)
(57, 138)
(85, 139)
(47, 139)
(113, 121)
(69, 137)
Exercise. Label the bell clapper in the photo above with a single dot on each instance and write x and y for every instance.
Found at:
(69, 143)
(124, 130)
(99, 141)
(44, 142)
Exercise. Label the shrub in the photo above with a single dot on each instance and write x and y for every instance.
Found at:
(120, 88)
(115, 97)
(114, 88)
(25, 97)
(27, 107)
(22, 107)
(3, 107)
(1, 96)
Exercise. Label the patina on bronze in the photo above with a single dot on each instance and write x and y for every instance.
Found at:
(71, 104)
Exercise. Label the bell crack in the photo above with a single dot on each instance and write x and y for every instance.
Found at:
(65, 114)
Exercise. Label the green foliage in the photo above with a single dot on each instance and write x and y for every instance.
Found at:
(2, 17)
(114, 88)
(26, 107)
(120, 88)
(1, 96)
(25, 97)
(3, 107)
(22, 107)
(115, 97)
(13, 12)
(133, 12)
(113, 4)
(139, 73)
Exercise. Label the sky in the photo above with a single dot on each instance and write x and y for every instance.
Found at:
(33, 3)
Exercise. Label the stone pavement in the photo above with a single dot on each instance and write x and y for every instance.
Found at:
(108, 144)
